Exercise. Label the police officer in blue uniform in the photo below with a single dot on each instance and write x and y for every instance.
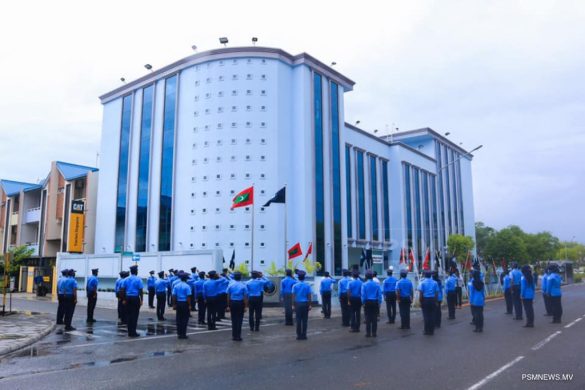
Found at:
(507, 286)
(302, 298)
(343, 301)
(237, 297)
(222, 285)
(389, 287)
(160, 289)
(429, 294)
(91, 290)
(69, 298)
(191, 282)
(182, 304)
(477, 300)
(61, 304)
(286, 285)
(544, 287)
(325, 290)
(122, 317)
(200, 298)
(371, 297)
(151, 290)
(450, 286)
(132, 294)
(354, 298)
(210, 294)
(255, 288)
(438, 311)
(527, 287)
(404, 294)
(516, 276)
(171, 278)
(553, 289)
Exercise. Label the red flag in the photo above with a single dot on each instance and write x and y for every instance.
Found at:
(427, 261)
(244, 198)
(411, 260)
(309, 251)
(402, 256)
(295, 251)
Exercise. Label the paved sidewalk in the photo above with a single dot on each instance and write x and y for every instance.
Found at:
(22, 329)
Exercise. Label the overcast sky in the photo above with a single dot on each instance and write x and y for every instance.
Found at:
(506, 74)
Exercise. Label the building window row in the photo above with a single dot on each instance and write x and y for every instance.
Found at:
(235, 61)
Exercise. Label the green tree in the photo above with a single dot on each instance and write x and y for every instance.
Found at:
(483, 235)
(571, 251)
(509, 244)
(541, 246)
(17, 257)
(459, 245)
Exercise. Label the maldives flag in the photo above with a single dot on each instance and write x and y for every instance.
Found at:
(411, 260)
(244, 198)
(402, 256)
(309, 251)
(295, 251)
(427, 261)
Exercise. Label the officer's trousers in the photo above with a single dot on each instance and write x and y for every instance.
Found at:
(477, 317)
(557, 308)
(517, 302)
(221, 305)
(132, 312)
(193, 300)
(69, 309)
(356, 308)
(302, 317)
(451, 302)
(529, 310)
(428, 306)
(201, 309)
(547, 306)
(371, 312)
(459, 293)
(210, 304)
(237, 316)
(391, 306)
(182, 318)
(509, 300)
(161, 300)
(288, 311)
(122, 312)
(91, 302)
(60, 309)
(151, 295)
(326, 299)
(438, 314)
(404, 306)
(255, 313)
(345, 310)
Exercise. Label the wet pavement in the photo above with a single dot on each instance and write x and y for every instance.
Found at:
(19, 329)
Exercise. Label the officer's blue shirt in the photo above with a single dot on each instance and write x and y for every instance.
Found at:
(553, 285)
(343, 285)
(326, 284)
(181, 291)
(161, 286)
(440, 287)
(222, 284)
(404, 287)
(237, 291)
(543, 283)
(301, 291)
(390, 284)
(286, 285)
(516, 276)
(150, 282)
(191, 282)
(199, 287)
(526, 289)
(118, 284)
(60, 285)
(355, 288)
(507, 282)
(132, 285)
(428, 288)
(172, 279)
(371, 292)
(210, 288)
(476, 298)
(92, 284)
(69, 285)
(256, 287)
(451, 283)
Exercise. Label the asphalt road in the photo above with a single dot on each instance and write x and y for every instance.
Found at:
(502, 357)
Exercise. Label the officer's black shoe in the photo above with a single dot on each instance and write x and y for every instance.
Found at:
(183, 337)
(374, 335)
(528, 326)
(134, 335)
(237, 339)
(69, 328)
(368, 335)
(60, 322)
(257, 329)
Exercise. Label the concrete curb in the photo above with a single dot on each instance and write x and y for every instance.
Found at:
(27, 341)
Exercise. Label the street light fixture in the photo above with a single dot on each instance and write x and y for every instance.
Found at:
(254, 40)
(194, 48)
(224, 41)
(148, 67)
(460, 157)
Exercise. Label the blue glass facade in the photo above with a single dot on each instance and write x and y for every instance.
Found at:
(408, 205)
(385, 196)
(122, 188)
(417, 213)
(348, 190)
(361, 196)
(336, 177)
(319, 169)
(144, 169)
(374, 196)
(168, 154)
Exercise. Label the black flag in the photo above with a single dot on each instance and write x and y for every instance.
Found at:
(279, 197)
(233, 260)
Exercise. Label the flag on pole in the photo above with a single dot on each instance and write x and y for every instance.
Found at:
(427, 261)
(467, 266)
(233, 260)
(411, 260)
(279, 197)
(244, 198)
(402, 256)
(363, 257)
(309, 251)
(295, 251)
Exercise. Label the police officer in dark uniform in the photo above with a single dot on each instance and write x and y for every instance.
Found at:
(286, 285)
(371, 297)
(200, 298)
(389, 287)
(429, 293)
(182, 304)
(516, 277)
(160, 289)
(354, 298)
(210, 294)
(302, 298)
(132, 294)
(171, 278)
(151, 291)
(438, 311)
(255, 288)
(237, 297)
(343, 301)
(122, 318)
(404, 294)
(69, 298)
(91, 290)
(61, 305)
(450, 286)
(325, 289)
(191, 282)
(222, 283)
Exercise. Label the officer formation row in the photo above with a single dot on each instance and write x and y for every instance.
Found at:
(213, 294)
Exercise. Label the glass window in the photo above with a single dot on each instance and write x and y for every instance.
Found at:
(408, 205)
(319, 174)
(361, 196)
(374, 198)
(123, 173)
(417, 213)
(385, 196)
(348, 190)
(336, 163)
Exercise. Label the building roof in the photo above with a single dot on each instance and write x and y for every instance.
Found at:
(73, 171)
(12, 188)
(230, 52)
(426, 132)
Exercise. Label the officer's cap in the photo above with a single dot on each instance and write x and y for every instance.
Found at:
(288, 272)
(134, 268)
(122, 273)
(183, 275)
(345, 272)
(161, 274)
(327, 273)
(151, 272)
(194, 269)
(95, 269)
(71, 272)
(369, 275)
(301, 274)
(202, 274)
(212, 273)
(428, 273)
(355, 274)
(391, 268)
(237, 275)
(64, 272)
(403, 272)
(257, 273)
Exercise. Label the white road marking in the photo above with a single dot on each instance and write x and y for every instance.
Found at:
(495, 373)
(573, 323)
(543, 342)
(146, 338)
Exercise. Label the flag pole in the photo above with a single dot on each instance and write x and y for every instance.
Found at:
(253, 230)
(285, 230)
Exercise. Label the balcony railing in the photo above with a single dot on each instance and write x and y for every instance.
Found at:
(32, 215)
(14, 219)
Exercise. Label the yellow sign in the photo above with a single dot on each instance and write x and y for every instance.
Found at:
(76, 227)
